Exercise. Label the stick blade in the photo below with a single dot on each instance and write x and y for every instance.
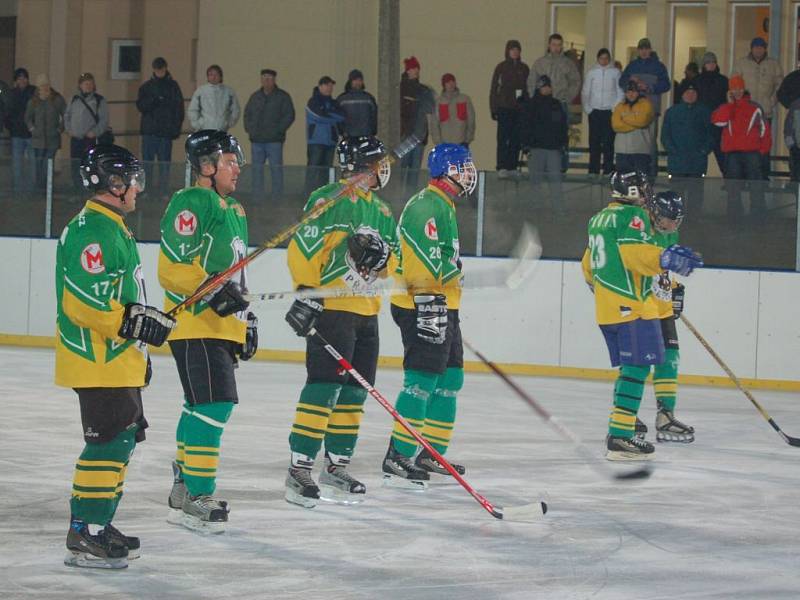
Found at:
(524, 513)
(792, 441)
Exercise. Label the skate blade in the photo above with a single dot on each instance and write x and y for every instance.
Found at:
(333, 495)
(616, 455)
(401, 483)
(192, 523)
(293, 497)
(678, 438)
(90, 561)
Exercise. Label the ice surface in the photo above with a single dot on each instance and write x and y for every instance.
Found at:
(718, 519)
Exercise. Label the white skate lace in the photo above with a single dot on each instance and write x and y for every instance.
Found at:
(639, 443)
(208, 502)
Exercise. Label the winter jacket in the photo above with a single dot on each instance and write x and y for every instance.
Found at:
(601, 89)
(791, 127)
(509, 82)
(417, 101)
(16, 101)
(653, 73)
(267, 117)
(761, 80)
(160, 101)
(78, 120)
(214, 106)
(45, 120)
(543, 123)
(453, 121)
(745, 128)
(562, 72)
(686, 136)
(360, 113)
(322, 117)
(631, 122)
(712, 88)
(789, 91)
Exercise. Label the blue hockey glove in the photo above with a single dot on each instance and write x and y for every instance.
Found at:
(680, 259)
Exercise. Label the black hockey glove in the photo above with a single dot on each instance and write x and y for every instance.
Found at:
(146, 324)
(368, 254)
(227, 299)
(303, 315)
(431, 317)
(248, 349)
(678, 294)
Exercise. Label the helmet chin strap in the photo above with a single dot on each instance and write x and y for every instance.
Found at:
(458, 184)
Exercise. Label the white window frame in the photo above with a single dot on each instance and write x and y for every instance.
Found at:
(116, 45)
(672, 16)
(556, 5)
(732, 33)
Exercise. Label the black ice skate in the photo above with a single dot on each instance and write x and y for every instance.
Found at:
(300, 488)
(337, 485)
(426, 461)
(641, 429)
(628, 449)
(130, 542)
(93, 551)
(176, 496)
(400, 471)
(669, 429)
(204, 514)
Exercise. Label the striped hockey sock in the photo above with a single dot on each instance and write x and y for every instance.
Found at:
(441, 414)
(665, 380)
(311, 417)
(202, 435)
(412, 403)
(628, 392)
(345, 420)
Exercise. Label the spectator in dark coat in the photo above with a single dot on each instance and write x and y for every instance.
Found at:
(44, 117)
(16, 101)
(791, 134)
(508, 88)
(323, 116)
(789, 90)
(359, 107)
(417, 103)
(690, 73)
(160, 101)
(267, 116)
(712, 92)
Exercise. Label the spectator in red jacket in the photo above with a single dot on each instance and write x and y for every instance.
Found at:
(745, 138)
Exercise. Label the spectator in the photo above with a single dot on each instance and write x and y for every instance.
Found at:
(690, 73)
(686, 136)
(453, 122)
(650, 75)
(791, 134)
(544, 135)
(44, 117)
(600, 94)
(267, 116)
(160, 101)
(86, 121)
(416, 104)
(712, 92)
(359, 107)
(746, 136)
(16, 100)
(789, 90)
(632, 121)
(214, 105)
(322, 118)
(762, 77)
(507, 90)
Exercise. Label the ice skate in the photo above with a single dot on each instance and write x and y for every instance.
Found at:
(337, 485)
(93, 551)
(204, 514)
(300, 488)
(130, 542)
(176, 496)
(399, 471)
(426, 461)
(669, 429)
(641, 429)
(628, 449)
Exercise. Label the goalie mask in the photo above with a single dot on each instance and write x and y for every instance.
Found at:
(667, 211)
(112, 169)
(631, 188)
(454, 161)
(364, 153)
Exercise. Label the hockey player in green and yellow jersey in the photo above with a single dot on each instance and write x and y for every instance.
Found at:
(428, 317)
(103, 325)
(203, 232)
(619, 264)
(347, 247)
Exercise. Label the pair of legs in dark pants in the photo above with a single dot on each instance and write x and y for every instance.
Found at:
(273, 153)
(601, 142)
(157, 148)
(319, 160)
(744, 166)
(508, 123)
(332, 403)
(794, 163)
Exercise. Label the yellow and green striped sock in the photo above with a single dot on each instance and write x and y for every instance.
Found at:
(441, 414)
(412, 403)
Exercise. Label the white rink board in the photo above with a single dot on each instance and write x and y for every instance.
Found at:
(779, 328)
(16, 273)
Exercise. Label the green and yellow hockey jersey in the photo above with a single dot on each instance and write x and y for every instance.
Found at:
(665, 281)
(201, 233)
(317, 252)
(429, 248)
(98, 272)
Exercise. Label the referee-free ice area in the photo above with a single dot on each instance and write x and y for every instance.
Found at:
(718, 518)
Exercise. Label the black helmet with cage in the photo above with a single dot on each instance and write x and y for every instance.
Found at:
(357, 154)
(113, 169)
(630, 187)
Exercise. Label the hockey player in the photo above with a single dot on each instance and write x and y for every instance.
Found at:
(428, 319)
(348, 246)
(103, 325)
(619, 263)
(203, 232)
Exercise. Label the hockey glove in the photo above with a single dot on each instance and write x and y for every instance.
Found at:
(303, 315)
(431, 317)
(368, 254)
(146, 324)
(678, 294)
(227, 299)
(680, 259)
(248, 349)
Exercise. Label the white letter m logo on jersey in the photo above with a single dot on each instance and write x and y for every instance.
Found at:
(185, 222)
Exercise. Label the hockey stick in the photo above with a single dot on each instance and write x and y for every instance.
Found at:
(792, 441)
(354, 182)
(597, 464)
(498, 512)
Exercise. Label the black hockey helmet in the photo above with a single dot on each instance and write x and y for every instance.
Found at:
(111, 168)
(362, 153)
(206, 146)
(666, 206)
(632, 187)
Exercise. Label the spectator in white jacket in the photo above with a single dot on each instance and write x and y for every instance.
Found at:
(214, 105)
(600, 94)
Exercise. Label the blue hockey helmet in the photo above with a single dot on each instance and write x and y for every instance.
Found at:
(667, 210)
(454, 161)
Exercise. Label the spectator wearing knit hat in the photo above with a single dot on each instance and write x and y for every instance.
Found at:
(359, 107)
(508, 89)
(600, 94)
(453, 121)
(16, 101)
(690, 73)
(417, 102)
(712, 92)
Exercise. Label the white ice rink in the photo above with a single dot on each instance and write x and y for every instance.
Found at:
(718, 518)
